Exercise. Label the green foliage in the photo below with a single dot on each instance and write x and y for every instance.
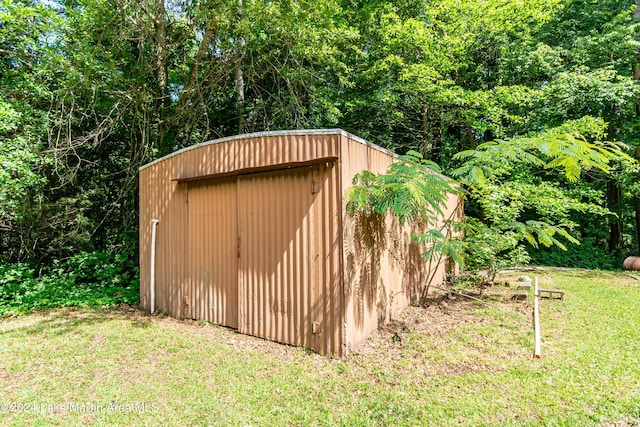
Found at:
(492, 248)
(553, 149)
(22, 182)
(16, 280)
(86, 280)
(438, 244)
(19, 163)
(90, 90)
(503, 203)
(516, 215)
(516, 207)
(413, 189)
(590, 255)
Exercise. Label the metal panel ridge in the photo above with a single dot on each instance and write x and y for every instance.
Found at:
(274, 256)
(212, 288)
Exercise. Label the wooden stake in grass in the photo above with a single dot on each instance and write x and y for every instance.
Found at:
(536, 319)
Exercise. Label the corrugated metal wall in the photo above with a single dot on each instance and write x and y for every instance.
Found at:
(328, 307)
(383, 270)
(275, 234)
(288, 252)
(166, 200)
(163, 196)
(366, 275)
(274, 253)
(276, 281)
(211, 290)
(230, 155)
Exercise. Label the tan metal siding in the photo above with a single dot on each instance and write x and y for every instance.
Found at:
(162, 199)
(273, 150)
(383, 270)
(289, 282)
(212, 291)
(305, 261)
(391, 292)
(274, 264)
(362, 258)
(274, 260)
(328, 307)
(207, 160)
(246, 153)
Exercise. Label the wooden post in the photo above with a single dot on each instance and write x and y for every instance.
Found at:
(536, 319)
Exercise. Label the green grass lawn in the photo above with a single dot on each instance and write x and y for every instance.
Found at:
(459, 363)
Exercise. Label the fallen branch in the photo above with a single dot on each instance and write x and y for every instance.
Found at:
(470, 297)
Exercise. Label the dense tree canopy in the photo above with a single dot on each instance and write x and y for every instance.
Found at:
(90, 90)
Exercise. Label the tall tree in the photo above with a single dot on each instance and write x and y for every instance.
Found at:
(636, 77)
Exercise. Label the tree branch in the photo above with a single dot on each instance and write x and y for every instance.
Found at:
(188, 88)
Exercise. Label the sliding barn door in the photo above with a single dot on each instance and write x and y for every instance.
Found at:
(212, 292)
(277, 255)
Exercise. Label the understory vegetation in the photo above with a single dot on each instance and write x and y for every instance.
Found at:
(458, 362)
(84, 280)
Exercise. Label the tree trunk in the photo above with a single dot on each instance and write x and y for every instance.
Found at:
(185, 96)
(636, 76)
(240, 98)
(432, 133)
(614, 196)
(240, 78)
(160, 27)
(426, 144)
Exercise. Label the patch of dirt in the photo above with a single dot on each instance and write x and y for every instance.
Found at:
(440, 324)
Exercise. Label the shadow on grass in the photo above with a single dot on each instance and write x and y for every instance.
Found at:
(68, 320)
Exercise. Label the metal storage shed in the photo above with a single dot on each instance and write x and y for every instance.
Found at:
(253, 234)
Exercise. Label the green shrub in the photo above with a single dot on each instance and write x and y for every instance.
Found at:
(590, 254)
(15, 281)
(88, 279)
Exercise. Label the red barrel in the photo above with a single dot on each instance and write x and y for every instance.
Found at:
(632, 263)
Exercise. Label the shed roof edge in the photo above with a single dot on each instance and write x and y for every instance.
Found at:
(272, 133)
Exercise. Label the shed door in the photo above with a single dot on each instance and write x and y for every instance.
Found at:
(212, 293)
(277, 255)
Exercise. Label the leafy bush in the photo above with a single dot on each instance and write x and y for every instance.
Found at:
(592, 255)
(492, 249)
(88, 279)
(15, 281)
(517, 204)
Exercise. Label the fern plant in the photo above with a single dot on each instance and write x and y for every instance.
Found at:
(412, 189)
(563, 147)
(527, 209)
